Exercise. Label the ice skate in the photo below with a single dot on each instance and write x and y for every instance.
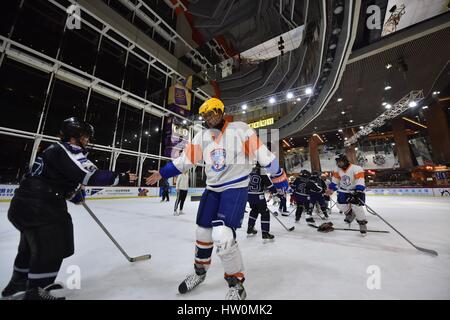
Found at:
(236, 290)
(192, 281)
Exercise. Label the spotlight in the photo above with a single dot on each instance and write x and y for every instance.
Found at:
(290, 95)
(244, 107)
(361, 127)
(184, 121)
(435, 93)
(388, 106)
(342, 112)
(340, 130)
(388, 87)
(272, 100)
(412, 104)
(339, 99)
(336, 31)
(338, 9)
(309, 91)
(425, 107)
(243, 112)
(299, 99)
(388, 66)
(351, 121)
(384, 103)
(200, 118)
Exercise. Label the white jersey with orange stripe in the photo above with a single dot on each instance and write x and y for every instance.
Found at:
(349, 179)
(228, 155)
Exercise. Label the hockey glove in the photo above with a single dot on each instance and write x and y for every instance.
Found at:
(325, 227)
(78, 197)
(355, 198)
(280, 181)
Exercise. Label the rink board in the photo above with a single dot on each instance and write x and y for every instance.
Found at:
(93, 193)
(102, 193)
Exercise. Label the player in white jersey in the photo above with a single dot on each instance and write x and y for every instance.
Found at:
(228, 149)
(348, 180)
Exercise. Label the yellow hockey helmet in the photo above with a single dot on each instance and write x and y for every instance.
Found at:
(212, 104)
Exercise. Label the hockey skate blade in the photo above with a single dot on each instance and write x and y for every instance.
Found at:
(264, 241)
(141, 258)
(291, 228)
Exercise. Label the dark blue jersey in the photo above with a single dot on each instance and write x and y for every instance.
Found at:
(257, 186)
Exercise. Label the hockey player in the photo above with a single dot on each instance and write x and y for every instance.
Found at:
(39, 210)
(259, 182)
(316, 190)
(348, 180)
(292, 197)
(301, 195)
(282, 209)
(228, 149)
(326, 197)
(182, 186)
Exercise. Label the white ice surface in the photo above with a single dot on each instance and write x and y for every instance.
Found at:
(303, 264)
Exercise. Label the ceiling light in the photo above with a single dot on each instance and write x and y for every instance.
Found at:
(412, 104)
(336, 31)
(340, 130)
(388, 87)
(309, 90)
(388, 66)
(272, 100)
(339, 99)
(299, 99)
(436, 92)
(388, 106)
(184, 121)
(361, 127)
(425, 107)
(244, 107)
(342, 112)
(290, 95)
(243, 112)
(351, 121)
(200, 118)
(338, 9)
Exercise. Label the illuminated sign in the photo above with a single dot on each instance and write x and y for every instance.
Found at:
(262, 123)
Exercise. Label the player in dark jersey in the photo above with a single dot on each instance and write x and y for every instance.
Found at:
(300, 193)
(259, 182)
(39, 209)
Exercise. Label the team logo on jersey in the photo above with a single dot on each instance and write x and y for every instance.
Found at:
(218, 157)
(345, 180)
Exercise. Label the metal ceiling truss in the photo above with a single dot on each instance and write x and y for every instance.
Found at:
(133, 47)
(398, 108)
(153, 20)
(72, 75)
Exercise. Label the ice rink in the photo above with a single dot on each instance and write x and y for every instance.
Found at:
(302, 264)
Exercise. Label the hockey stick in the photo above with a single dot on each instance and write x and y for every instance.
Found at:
(131, 259)
(287, 229)
(429, 251)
